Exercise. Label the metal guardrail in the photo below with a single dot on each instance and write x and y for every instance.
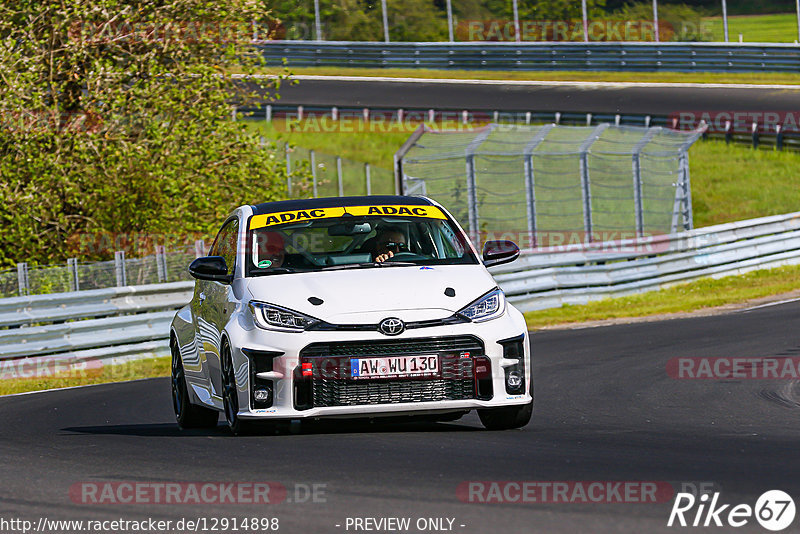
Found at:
(593, 56)
(579, 273)
(118, 324)
(113, 324)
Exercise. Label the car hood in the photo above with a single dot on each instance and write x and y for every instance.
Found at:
(357, 296)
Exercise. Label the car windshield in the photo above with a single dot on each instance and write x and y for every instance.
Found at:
(352, 238)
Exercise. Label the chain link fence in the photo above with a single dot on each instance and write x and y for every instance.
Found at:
(157, 268)
(334, 176)
(552, 185)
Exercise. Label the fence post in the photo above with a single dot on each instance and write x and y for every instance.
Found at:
(119, 268)
(339, 175)
(288, 169)
(585, 182)
(472, 185)
(313, 158)
(399, 174)
(161, 263)
(637, 179)
(268, 113)
(367, 177)
(530, 182)
(72, 269)
(199, 248)
(22, 279)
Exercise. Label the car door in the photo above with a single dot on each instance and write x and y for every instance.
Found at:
(215, 307)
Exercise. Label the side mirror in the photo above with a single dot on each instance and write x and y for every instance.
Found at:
(498, 252)
(211, 268)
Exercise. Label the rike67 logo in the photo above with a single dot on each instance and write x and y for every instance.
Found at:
(774, 510)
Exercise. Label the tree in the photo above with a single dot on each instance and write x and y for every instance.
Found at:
(116, 118)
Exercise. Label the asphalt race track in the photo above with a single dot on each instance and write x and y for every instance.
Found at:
(606, 410)
(596, 98)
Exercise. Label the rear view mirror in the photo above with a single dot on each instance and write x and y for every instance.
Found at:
(348, 229)
(499, 252)
(211, 268)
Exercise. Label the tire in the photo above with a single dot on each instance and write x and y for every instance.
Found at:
(230, 395)
(507, 417)
(187, 414)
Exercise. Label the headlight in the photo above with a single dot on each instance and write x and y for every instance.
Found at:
(489, 306)
(274, 317)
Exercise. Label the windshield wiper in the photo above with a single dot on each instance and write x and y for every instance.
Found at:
(366, 265)
(280, 270)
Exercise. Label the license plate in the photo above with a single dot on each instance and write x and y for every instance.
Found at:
(395, 366)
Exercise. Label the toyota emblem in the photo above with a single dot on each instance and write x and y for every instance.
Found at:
(391, 326)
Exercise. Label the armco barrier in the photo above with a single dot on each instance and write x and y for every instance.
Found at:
(580, 273)
(114, 324)
(593, 56)
(133, 322)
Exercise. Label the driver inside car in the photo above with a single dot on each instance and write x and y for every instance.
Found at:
(388, 242)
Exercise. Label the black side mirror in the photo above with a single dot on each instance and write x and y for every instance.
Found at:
(211, 268)
(498, 252)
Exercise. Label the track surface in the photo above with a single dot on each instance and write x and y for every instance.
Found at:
(518, 97)
(605, 410)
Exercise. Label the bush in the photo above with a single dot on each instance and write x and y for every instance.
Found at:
(117, 120)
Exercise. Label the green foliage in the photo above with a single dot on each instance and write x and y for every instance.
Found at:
(116, 118)
(676, 22)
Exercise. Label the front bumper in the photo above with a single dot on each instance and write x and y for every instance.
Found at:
(290, 391)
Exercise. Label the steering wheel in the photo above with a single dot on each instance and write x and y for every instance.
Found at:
(405, 254)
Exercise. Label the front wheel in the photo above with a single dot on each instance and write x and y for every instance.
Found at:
(230, 395)
(187, 414)
(507, 417)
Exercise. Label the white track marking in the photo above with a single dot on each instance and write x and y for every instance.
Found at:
(768, 304)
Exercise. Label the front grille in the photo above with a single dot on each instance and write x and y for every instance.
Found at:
(331, 384)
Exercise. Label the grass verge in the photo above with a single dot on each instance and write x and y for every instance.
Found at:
(770, 78)
(137, 369)
(697, 295)
(777, 28)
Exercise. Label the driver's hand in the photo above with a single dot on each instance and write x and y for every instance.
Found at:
(383, 257)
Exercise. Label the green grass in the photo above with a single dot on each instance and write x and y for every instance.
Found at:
(704, 293)
(780, 28)
(734, 182)
(652, 77)
(147, 368)
(374, 148)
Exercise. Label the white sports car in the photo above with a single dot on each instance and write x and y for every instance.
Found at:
(348, 307)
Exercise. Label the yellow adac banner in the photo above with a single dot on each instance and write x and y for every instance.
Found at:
(429, 212)
(270, 219)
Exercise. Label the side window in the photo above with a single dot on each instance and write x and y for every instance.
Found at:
(225, 243)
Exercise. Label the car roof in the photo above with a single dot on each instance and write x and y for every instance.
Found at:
(332, 202)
